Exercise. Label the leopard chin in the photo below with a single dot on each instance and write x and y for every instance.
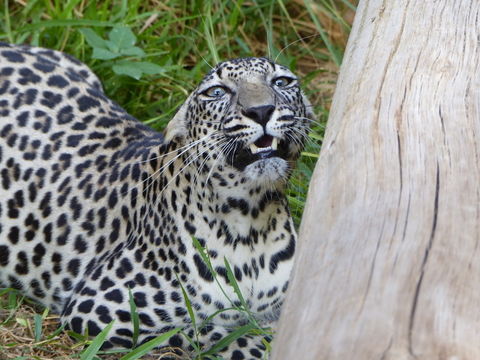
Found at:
(268, 170)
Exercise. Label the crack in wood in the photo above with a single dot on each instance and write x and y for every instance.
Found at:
(385, 352)
(372, 268)
(399, 146)
(424, 263)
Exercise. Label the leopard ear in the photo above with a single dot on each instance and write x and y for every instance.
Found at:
(177, 127)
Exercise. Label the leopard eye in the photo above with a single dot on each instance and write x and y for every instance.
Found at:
(282, 81)
(215, 91)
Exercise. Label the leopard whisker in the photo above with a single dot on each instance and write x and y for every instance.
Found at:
(183, 169)
(209, 156)
(193, 158)
(190, 158)
(292, 137)
(232, 147)
(310, 121)
(169, 162)
(303, 133)
(215, 162)
(294, 42)
(304, 136)
(186, 146)
(212, 147)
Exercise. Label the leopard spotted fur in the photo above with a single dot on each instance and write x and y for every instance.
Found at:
(94, 205)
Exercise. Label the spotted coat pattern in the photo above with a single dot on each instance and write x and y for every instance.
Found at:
(95, 206)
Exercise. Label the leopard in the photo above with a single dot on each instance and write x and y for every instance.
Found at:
(99, 211)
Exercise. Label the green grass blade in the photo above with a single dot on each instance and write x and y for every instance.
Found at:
(68, 8)
(209, 34)
(191, 314)
(96, 343)
(227, 340)
(349, 5)
(203, 254)
(233, 282)
(7, 26)
(7, 291)
(316, 136)
(14, 300)
(188, 303)
(37, 327)
(56, 332)
(135, 318)
(63, 23)
(209, 319)
(309, 154)
(148, 346)
(334, 53)
(295, 201)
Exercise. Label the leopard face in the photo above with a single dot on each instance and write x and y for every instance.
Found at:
(248, 115)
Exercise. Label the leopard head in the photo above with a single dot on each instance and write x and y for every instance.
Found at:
(249, 116)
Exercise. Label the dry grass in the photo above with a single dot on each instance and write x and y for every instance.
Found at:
(17, 336)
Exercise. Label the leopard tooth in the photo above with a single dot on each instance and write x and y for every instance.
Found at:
(254, 148)
(274, 143)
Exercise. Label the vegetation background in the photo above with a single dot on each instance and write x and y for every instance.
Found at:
(150, 54)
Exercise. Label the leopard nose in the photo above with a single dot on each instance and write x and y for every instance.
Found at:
(259, 114)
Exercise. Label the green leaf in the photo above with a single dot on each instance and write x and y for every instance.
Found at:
(128, 69)
(97, 342)
(123, 37)
(149, 68)
(45, 313)
(93, 39)
(112, 46)
(133, 51)
(149, 345)
(104, 54)
(23, 322)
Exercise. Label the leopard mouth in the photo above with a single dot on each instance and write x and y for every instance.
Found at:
(265, 147)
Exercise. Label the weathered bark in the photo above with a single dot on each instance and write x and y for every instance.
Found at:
(389, 259)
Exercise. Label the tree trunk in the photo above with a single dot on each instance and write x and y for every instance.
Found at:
(388, 265)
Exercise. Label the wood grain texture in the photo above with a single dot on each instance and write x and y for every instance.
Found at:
(388, 265)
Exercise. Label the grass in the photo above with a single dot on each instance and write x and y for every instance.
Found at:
(149, 55)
